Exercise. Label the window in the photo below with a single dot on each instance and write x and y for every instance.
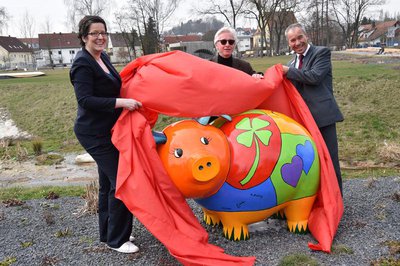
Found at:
(59, 52)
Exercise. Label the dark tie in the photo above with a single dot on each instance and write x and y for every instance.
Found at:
(301, 61)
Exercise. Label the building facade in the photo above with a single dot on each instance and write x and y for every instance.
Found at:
(380, 33)
(14, 54)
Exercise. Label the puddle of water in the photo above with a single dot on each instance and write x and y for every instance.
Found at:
(27, 174)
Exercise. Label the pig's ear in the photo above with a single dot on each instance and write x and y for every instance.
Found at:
(227, 117)
(159, 137)
(206, 119)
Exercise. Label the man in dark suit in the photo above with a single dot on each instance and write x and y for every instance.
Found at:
(310, 71)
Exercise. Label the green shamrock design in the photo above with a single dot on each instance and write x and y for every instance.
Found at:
(253, 132)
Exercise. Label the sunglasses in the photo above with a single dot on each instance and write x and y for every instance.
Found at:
(223, 42)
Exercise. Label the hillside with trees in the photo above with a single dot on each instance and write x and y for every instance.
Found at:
(196, 26)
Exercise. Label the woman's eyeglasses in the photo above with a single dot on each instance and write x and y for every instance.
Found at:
(223, 42)
(96, 34)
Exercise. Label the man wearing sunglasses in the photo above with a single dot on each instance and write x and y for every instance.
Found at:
(225, 42)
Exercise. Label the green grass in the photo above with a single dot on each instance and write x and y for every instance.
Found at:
(43, 106)
(368, 94)
(298, 260)
(23, 193)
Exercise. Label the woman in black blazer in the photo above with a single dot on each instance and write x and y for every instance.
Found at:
(97, 87)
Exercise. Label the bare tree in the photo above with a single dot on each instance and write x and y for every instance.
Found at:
(79, 8)
(27, 25)
(128, 31)
(349, 13)
(316, 22)
(281, 20)
(3, 18)
(263, 11)
(161, 11)
(46, 26)
(141, 11)
(229, 9)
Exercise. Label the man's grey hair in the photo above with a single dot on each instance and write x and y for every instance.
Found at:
(294, 25)
(223, 30)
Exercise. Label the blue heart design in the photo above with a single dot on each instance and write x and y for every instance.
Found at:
(307, 154)
(291, 172)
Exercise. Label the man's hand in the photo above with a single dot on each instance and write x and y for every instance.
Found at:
(285, 69)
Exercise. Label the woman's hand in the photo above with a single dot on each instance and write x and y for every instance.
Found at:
(129, 104)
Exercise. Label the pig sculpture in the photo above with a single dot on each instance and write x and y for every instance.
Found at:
(242, 171)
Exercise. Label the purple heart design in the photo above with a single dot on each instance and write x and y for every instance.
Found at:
(291, 172)
(306, 153)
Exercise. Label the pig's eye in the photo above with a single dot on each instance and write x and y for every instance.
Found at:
(204, 140)
(178, 153)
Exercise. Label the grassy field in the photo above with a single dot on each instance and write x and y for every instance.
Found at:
(367, 92)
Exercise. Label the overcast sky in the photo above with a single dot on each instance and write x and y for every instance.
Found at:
(56, 11)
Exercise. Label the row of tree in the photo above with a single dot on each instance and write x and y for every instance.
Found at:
(328, 22)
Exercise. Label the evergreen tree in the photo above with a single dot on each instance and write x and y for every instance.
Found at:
(365, 21)
(150, 38)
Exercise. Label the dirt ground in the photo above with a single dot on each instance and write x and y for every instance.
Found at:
(28, 173)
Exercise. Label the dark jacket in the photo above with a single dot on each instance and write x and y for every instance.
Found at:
(96, 93)
(238, 64)
(314, 83)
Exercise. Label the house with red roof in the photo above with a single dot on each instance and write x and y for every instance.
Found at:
(375, 34)
(57, 49)
(14, 54)
(120, 47)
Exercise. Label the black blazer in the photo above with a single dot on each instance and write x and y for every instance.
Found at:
(238, 64)
(314, 83)
(96, 93)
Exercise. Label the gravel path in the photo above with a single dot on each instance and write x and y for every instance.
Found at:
(46, 232)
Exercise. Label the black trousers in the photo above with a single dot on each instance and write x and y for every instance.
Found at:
(115, 220)
(330, 138)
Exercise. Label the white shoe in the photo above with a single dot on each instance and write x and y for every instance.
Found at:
(131, 238)
(127, 247)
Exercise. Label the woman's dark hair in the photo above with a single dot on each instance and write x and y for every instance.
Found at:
(84, 26)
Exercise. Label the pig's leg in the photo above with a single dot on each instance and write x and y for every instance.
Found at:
(211, 218)
(297, 213)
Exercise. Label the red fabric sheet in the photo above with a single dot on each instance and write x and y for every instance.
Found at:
(179, 84)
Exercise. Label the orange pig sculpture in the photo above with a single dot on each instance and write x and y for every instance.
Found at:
(242, 171)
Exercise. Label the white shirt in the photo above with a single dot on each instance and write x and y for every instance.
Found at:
(304, 54)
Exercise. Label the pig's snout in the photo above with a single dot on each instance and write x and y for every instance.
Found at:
(206, 168)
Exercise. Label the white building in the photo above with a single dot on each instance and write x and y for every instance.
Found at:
(14, 54)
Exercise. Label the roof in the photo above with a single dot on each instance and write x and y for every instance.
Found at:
(58, 40)
(29, 40)
(13, 45)
(381, 28)
(117, 39)
(181, 38)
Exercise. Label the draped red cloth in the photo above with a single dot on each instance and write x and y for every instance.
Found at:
(179, 84)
